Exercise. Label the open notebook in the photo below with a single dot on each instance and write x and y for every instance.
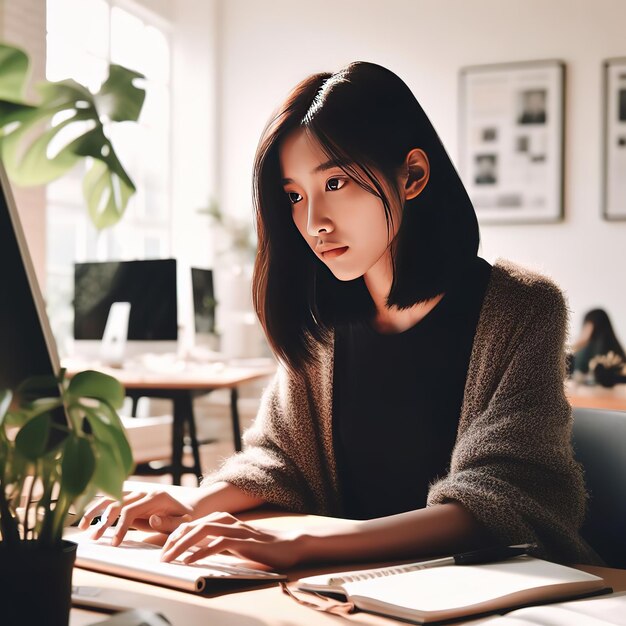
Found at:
(138, 559)
(413, 593)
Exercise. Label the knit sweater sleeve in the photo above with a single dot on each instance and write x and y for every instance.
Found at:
(284, 459)
(512, 466)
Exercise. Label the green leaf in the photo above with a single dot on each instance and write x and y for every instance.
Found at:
(32, 438)
(77, 466)
(119, 97)
(107, 194)
(108, 429)
(13, 73)
(37, 387)
(109, 475)
(27, 150)
(93, 384)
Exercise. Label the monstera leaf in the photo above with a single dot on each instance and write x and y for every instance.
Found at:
(73, 122)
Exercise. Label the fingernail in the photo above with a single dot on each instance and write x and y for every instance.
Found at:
(155, 520)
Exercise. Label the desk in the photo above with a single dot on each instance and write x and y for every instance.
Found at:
(261, 606)
(258, 606)
(182, 387)
(596, 397)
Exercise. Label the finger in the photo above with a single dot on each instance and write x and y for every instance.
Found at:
(110, 515)
(139, 509)
(180, 541)
(215, 547)
(190, 536)
(167, 523)
(247, 549)
(98, 507)
(92, 511)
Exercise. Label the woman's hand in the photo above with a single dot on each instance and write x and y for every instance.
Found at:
(219, 532)
(157, 511)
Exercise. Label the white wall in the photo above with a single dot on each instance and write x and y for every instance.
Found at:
(269, 45)
(194, 139)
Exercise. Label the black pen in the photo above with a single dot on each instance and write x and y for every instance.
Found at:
(476, 557)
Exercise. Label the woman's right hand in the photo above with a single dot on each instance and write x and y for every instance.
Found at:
(157, 511)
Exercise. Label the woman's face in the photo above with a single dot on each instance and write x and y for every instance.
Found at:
(343, 224)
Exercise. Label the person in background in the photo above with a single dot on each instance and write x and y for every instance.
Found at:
(597, 337)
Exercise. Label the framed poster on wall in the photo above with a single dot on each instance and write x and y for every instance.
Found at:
(614, 195)
(511, 140)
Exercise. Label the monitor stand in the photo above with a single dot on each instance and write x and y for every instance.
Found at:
(113, 344)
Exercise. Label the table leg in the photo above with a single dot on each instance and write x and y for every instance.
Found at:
(234, 411)
(178, 435)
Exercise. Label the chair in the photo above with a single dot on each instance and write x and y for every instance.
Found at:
(599, 439)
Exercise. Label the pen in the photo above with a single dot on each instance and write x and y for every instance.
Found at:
(476, 557)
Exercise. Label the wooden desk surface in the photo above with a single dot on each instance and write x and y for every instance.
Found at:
(252, 606)
(181, 375)
(596, 397)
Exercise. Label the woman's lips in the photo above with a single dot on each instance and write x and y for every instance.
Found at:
(335, 252)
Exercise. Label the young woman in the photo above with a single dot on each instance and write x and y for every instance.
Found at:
(597, 337)
(420, 390)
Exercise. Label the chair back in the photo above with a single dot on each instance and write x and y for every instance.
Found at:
(599, 439)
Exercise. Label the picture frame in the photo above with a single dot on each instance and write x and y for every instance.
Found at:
(614, 140)
(511, 140)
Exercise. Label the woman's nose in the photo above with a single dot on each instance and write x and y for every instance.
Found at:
(318, 219)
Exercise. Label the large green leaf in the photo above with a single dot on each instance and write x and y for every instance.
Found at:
(32, 438)
(109, 475)
(107, 194)
(93, 384)
(119, 98)
(13, 73)
(77, 466)
(37, 387)
(36, 157)
(107, 427)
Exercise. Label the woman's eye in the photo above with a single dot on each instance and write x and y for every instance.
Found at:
(293, 199)
(335, 183)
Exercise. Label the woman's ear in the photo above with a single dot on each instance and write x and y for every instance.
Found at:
(416, 172)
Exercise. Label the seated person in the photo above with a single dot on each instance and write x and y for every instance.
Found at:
(420, 389)
(597, 337)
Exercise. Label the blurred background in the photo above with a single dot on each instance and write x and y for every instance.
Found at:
(216, 69)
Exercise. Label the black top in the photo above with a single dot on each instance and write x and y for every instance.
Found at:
(397, 401)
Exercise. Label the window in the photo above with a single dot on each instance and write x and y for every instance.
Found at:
(83, 37)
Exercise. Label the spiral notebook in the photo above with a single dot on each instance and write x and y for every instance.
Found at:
(422, 595)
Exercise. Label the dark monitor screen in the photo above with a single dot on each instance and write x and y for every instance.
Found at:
(203, 300)
(26, 344)
(149, 286)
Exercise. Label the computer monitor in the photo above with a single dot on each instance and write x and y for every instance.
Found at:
(27, 346)
(203, 300)
(150, 288)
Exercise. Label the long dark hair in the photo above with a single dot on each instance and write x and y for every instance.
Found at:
(603, 337)
(366, 119)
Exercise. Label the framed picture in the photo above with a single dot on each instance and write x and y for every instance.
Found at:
(614, 193)
(511, 140)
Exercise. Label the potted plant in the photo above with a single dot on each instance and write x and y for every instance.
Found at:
(61, 443)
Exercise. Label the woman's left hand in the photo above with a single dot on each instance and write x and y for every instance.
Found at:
(220, 532)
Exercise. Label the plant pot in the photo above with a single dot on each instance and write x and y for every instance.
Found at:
(36, 584)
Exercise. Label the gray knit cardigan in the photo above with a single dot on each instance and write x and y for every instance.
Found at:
(512, 464)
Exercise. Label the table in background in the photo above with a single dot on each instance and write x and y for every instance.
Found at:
(596, 396)
(264, 605)
(182, 387)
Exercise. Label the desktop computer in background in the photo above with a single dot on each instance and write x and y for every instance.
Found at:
(128, 302)
(203, 301)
